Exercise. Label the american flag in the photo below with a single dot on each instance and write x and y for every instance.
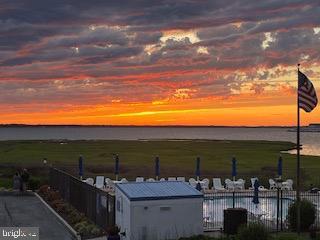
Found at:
(307, 94)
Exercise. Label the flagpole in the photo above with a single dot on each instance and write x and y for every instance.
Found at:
(298, 159)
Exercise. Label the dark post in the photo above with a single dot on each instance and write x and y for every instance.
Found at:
(157, 167)
(298, 159)
(278, 203)
(281, 210)
(233, 199)
(234, 173)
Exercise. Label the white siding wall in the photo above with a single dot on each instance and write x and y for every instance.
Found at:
(123, 217)
(160, 219)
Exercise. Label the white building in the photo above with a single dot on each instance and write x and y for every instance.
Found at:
(158, 210)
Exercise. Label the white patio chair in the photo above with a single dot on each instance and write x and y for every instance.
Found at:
(99, 182)
(240, 184)
(216, 184)
(109, 184)
(272, 184)
(229, 184)
(181, 179)
(140, 179)
(205, 183)
(287, 185)
(89, 181)
(172, 179)
(162, 180)
(124, 180)
(193, 182)
(150, 180)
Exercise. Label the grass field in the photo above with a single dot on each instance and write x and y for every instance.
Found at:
(255, 158)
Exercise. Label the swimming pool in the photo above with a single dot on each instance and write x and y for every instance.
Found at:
(266, 210)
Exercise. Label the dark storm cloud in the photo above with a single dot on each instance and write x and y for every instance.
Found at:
(119, 45)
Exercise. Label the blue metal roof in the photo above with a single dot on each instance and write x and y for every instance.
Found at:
(139, 191)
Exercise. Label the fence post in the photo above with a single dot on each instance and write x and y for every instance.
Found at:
(281, 211)
(278, 202)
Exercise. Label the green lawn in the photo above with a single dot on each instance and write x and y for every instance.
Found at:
(255, 158)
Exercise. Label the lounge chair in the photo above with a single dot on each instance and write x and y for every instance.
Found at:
(216, 184)
(193, 182)
(205, 183)
(240, 184)
(150, 180)
(99, 182)
(229, 184)
(162, 179)
(181, 179)
(123, 180)
(272, 184)
(172, 179)
(287, 185)
(109, 184)
(139, 179)
(89, 181)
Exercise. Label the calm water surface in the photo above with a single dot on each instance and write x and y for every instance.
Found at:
(310, 140)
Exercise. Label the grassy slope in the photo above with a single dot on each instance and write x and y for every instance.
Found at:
(176, 157)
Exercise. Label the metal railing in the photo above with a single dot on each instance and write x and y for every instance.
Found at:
(97, 205)
(272, 210)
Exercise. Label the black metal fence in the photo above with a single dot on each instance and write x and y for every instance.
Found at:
(97, 205)
(272, 210)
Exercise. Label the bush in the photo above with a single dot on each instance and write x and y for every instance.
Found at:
(34, 184)
(57, 203)
(86, 229)
(78, 220)
(288, 236)
(307, 215)
(113, 231)
(53, 196)
(62, 208)
(75, 217)
(44, 189)
(253, 231)
(202, 237)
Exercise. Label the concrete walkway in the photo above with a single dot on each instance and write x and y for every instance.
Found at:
(29, 211)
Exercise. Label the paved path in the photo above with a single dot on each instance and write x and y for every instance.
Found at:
(29, 211)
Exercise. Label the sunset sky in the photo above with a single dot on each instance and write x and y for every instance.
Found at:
(192, 62)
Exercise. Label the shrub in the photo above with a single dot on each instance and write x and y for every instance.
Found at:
(34, 184)
(113, 231)
(86, 228)
(56, 203)
(74, 217)
(202, 237)
(253, 231)
(80, 227)
(53, 196)
(44, 189)
(288, 236)
(307, 215)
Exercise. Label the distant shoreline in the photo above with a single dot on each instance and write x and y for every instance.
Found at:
(137, 126)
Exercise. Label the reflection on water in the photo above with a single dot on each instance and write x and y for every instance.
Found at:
(266, 209)
(309, 140)
(308, 149)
